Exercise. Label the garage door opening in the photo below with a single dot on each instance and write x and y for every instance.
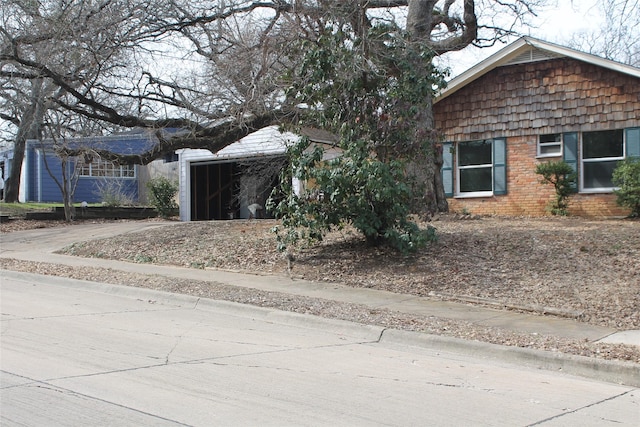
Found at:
(225, 190)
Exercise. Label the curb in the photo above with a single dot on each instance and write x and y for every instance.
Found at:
(618, 372)
(625, 373)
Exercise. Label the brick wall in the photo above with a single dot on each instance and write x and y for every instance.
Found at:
(521, 102)
(526, 196)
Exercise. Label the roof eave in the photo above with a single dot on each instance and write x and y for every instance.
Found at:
(511, 51)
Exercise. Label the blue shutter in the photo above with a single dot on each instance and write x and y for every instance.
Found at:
(499, 166)
(570, 153)
(447, 168)
(632, 139)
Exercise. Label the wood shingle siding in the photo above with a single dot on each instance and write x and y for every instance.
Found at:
(552, 96)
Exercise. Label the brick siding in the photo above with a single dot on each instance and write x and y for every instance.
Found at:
(526, 196)
(521, 102)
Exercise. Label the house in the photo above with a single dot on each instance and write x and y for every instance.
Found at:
(97, 179)
(532, 102)
(224, 185)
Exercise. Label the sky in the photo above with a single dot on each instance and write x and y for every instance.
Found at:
(556, 24)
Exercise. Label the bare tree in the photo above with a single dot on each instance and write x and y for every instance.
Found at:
(618, 38)
(59, 55)
(108, 60)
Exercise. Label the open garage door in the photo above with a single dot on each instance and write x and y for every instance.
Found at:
(225, 190)
(213, 187)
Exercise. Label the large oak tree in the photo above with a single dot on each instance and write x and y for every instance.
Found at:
(210, 68)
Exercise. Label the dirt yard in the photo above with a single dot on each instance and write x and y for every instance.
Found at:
(586, 269)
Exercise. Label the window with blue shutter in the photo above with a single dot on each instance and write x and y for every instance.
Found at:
(632, 141)
(447, 168)
(600, 153)
(481, 168)
(499, 166)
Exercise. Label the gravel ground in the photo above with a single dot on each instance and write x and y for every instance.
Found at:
(571, 267)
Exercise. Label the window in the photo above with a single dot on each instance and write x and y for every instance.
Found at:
(475, 167)
(480, 171)
(170, 157)
(550, 145)
(600, 154)
(101, 168)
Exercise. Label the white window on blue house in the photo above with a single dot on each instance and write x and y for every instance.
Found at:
(550, 145)
(99, 168)
(480, 168)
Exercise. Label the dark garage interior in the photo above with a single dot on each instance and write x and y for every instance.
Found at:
(224, 190)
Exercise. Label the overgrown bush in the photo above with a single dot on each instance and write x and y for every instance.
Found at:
(371, 91)
(162, 193)
(562, 176)
(113, 193)
(355, 189)
(626, 176)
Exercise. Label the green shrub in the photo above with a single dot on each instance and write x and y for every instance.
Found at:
(562, 176)
(372, 93)
(162, 193)
(355, 189)
(627, 177)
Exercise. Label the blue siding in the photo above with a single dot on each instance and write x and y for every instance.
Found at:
(49, 190)
(88, 189)
(41, 187)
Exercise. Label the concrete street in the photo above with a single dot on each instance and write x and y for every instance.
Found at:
(80, 353)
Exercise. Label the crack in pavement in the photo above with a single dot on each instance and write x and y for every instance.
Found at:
(99, 313)
(555, 417)
(63, 390)
(192, 361)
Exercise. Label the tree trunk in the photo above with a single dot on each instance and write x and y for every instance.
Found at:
(426, 170)
(29, 128)
(67, 193)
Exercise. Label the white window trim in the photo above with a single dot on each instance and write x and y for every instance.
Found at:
(475, 194)
(121, 175)
(458, 194)
(539, 144)
(599, 189)
(598, 160)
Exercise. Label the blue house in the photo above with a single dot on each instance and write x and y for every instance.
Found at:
(96, 177)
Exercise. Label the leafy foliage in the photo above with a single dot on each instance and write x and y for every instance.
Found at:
(351, 189)
(371, 93)
(627, 176)
(162, 193)
(562, 176)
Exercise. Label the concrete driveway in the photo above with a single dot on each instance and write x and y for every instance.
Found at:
(81, 353)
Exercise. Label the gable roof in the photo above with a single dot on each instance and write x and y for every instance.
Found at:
(529, 49)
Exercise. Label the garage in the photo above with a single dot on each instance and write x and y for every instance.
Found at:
(226, 189)
(223, 185)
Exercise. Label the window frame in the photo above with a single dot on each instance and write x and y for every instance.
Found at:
(541, 144)
(99, 168)
(598, 160)
(485, 193)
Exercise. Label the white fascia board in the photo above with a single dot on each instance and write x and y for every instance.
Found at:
(585, 57)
